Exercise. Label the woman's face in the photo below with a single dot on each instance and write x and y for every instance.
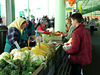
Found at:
(23, 25)
(67, 24)
(32, 20)
(43, 24)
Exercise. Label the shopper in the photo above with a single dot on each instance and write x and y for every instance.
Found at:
(14, 33)
(29, 27)
(0, 20)
(68, 24)
(32, 20)
(92, 24)
(88, 20)
(71, 28)
(80, 51)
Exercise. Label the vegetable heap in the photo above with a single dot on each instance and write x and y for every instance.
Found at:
(24, 62)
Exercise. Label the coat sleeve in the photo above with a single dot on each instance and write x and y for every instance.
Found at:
(41, 29)
(13, 35)
(75, 44)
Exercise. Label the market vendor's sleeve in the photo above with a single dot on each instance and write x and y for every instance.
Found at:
(14, 35)
(42, 29)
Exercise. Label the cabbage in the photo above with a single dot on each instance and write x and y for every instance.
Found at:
(5, 56)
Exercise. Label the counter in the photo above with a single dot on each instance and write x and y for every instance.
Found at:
(57, 64)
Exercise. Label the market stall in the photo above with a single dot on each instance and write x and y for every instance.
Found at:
(42, 59)
(3, 31)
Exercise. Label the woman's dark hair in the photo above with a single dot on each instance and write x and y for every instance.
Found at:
(24, 22)
(30, 24)
(78, 17)
(37, 25)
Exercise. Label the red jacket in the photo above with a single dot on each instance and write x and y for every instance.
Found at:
(81, 50)
(25, 25)
(42, 29)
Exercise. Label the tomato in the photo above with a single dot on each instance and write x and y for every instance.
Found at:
(58, 31)
(61, 32)
(57, 34)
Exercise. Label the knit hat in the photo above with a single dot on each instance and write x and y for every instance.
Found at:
(43, 20)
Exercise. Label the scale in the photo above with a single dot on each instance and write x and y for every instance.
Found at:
(38, 38)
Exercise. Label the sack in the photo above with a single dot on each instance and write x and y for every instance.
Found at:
(95, 29)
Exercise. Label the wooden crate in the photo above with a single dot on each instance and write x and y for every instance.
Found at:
(52, 63)
(39, 70)
(56, 38)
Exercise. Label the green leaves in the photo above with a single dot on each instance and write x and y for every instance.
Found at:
(5, 57)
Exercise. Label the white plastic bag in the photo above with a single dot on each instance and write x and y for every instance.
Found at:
(66, 47)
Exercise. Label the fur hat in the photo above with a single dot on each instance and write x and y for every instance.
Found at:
(43, 20)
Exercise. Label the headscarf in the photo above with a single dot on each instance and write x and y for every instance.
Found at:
(17, 24)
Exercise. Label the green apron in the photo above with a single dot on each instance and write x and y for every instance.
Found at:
(36, 33)
(8, 45)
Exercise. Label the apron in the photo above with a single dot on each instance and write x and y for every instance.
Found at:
(36, 33)
(8, 45)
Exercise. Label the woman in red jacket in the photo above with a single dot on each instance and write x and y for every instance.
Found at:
(81, 50)
(43, 22)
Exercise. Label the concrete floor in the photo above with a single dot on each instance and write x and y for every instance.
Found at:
(94, 67)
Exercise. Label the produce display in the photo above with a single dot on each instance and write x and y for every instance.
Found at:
(24, 61)
(45, 50)
(57, 33)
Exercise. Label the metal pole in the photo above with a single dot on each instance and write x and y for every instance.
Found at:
(60, 16)
(28, 9)
(91, 7)
(77, 4)
(0, 9)
(48, 7)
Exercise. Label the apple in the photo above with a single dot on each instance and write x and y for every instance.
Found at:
(61, 32)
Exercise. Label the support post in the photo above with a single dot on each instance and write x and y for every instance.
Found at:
(60, 16)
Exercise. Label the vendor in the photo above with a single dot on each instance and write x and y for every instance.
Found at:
(42, 23)
(29, 27)
(14, 33)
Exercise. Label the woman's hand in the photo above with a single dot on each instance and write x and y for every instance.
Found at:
(52, 33)
(65, 34)
(61, 44)
(29, 40)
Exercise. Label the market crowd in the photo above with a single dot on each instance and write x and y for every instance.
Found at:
(80, 52)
